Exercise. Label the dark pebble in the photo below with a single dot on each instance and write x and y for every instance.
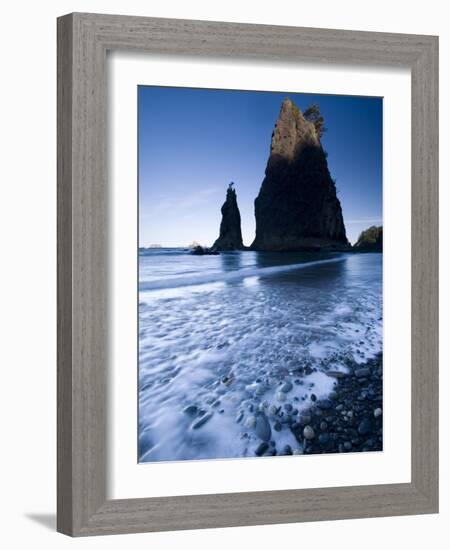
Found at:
(261, 449)
(286, 387)
(287, 450)
(325, 404)
(359, 373)
(203, 420)
(191, 410)
(365, 427)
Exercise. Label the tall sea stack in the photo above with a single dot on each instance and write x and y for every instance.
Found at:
(230, 236)
(297, 207)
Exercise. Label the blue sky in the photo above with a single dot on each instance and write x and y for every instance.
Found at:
(193, 142)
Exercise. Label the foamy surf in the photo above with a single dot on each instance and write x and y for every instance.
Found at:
(222, 369)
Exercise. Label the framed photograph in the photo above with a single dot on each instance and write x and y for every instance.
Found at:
(247, 274)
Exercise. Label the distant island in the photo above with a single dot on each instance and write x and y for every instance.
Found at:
(297, 207)
(370, 240)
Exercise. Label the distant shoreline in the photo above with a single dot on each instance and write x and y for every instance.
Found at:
(351, 250)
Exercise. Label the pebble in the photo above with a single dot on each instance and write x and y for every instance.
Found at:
(287, 450)
(335, 374)
(323, 426)
(288, 407)
(308, 432)
(364, 427)
(239, 416)
(286, 387)
(304, 419)
(360, 373)
(324, 439)
(377, 412)
(277, 426)
(203, 420)
(191, 410)
(347, 445)
(261, 449)
(313, 397)
(324, 404)
(262, 428)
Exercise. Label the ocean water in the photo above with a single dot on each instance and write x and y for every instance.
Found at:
(219, 336)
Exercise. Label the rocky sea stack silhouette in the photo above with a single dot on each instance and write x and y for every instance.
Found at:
(230, 235)
(297, 207)
(370, 240)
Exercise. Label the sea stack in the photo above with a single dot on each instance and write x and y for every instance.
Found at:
(230, 236)
(297, 207)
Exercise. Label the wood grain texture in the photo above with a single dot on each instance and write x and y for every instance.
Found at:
(64, 274)
(83, 40)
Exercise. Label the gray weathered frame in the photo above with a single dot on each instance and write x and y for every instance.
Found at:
(83, 40)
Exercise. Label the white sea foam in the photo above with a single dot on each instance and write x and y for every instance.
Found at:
(224, 344)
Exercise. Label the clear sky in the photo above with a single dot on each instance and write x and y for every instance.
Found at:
(193, 142)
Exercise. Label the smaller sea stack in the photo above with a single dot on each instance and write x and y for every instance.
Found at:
(230, 236)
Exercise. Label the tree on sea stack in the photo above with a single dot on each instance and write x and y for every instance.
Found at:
(230, 235)
(313, 114)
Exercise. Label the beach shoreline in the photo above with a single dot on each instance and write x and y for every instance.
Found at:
(351, 418)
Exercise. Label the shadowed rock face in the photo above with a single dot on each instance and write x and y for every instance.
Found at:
(370, 240)
(230, 237)
(297, 207)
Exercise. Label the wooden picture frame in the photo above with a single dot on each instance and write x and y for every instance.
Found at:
(83, 41)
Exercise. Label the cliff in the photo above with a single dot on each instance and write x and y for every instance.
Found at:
(297, 206)
(230, 235)
(370, 240)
